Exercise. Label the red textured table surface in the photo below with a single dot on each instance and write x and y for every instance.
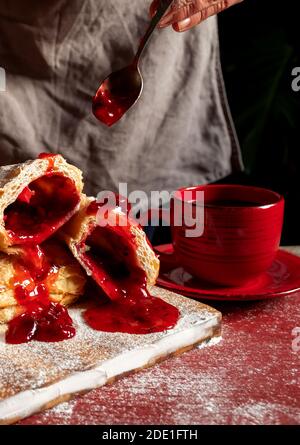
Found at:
(250, 377)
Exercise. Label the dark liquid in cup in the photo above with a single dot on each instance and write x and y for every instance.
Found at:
(229, 203)
(233, 203)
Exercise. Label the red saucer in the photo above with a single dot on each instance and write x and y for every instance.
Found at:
(283, 278)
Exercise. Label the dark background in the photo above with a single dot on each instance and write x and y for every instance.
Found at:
(260, 45)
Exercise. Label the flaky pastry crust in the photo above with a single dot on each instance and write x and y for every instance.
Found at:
(67, 287)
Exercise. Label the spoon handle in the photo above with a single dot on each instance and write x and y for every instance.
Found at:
(164, 5)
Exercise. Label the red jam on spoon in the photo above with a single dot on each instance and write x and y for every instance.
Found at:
(109, 109)
(117, 93)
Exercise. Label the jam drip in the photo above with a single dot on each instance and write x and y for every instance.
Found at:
(41, 208)
(141, 316)
(49, 322)
(33, 275)
(110, 253)
(42, 319)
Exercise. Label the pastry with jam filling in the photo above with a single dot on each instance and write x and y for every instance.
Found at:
(36, 199)
(114, 250)
(36, 286)
(38, 278)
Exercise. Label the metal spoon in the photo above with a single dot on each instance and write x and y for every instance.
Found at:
(121, 89)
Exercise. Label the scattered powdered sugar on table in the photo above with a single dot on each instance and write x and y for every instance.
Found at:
(62, 410)
(250, 377)
(262, 413)
(210, 342)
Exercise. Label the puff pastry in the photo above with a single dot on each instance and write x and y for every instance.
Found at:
(64, 287)
(36, 198)
(44, 197)
(110, 250)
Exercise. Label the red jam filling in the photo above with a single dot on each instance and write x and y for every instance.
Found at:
(26, 195)
(107, 108)
(42, 320)
(41, 208)
(33, 275)
(109, 252)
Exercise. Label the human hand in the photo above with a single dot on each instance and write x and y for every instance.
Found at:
(185, 14)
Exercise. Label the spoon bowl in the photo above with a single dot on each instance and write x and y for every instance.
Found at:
(118, 92)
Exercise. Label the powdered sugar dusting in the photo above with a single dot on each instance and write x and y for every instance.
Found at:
(210, 342)
(262, 413)
(250, 377)
(35, 364)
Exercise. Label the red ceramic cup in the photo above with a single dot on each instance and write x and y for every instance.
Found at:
(241, 232)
